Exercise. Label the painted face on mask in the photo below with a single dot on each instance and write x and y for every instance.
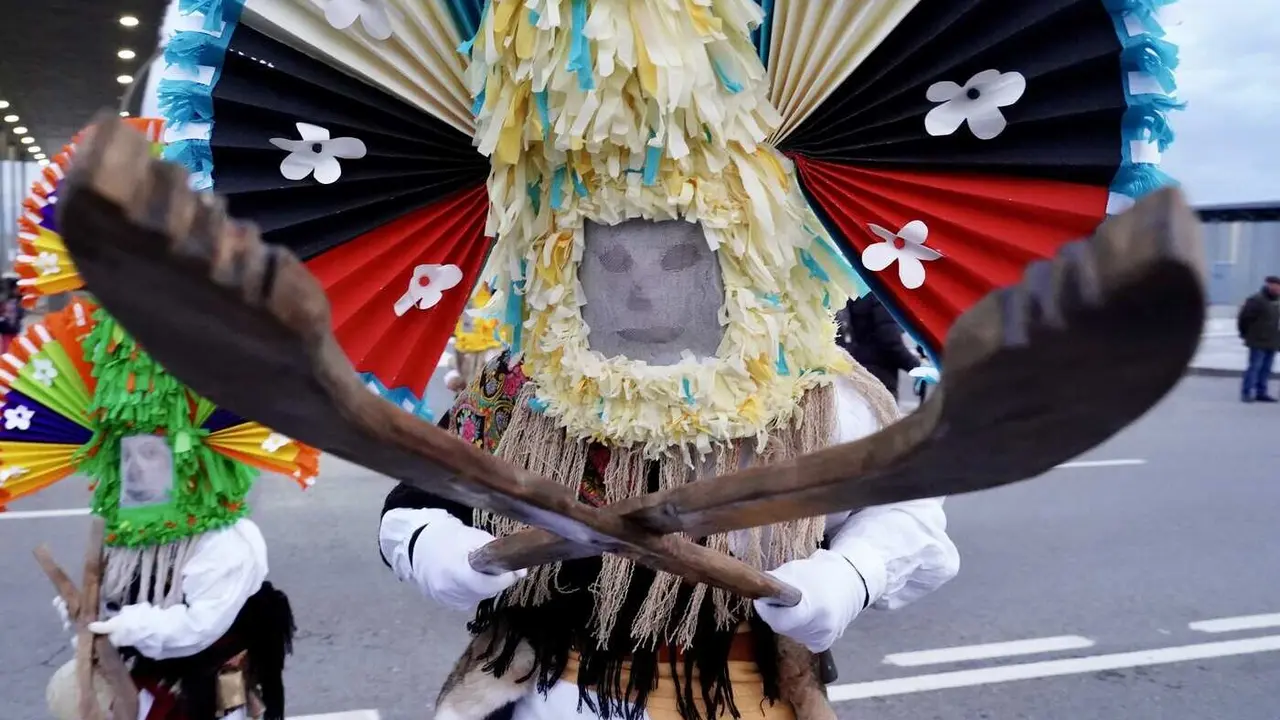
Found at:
(652, 289)
(146, 472)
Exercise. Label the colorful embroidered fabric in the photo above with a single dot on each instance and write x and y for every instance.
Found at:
(483, 411)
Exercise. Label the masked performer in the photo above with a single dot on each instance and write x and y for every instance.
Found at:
(184, 592)
(681, 193)
(477, 340)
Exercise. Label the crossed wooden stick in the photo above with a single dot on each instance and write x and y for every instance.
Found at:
(92, 650)
(1035, 373)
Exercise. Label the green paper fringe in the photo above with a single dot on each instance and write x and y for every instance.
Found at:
(135, 396)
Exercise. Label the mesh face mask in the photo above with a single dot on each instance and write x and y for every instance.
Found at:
(146, 472)
(652, 291)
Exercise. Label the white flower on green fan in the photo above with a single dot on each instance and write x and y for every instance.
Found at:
(47, 263)
(906, 248)
(317, 152)
(18, 418)
(43, 371)
(427, 287)
(978, 102)
(11, 472)
(275, 441)
(374, 15)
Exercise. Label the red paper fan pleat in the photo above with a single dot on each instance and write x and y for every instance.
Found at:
(364, 279)
(986, 228)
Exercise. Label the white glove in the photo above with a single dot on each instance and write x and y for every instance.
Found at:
(60, 606)
(127, 628)
(833, 595)
(441, 567)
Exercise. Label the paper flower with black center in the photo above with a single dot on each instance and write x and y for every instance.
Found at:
(905, 247)
(43, 371)
(317, 152)
(374, 16)
(977, 103)
(18, 418)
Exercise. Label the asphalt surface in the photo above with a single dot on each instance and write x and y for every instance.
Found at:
(1121, 556)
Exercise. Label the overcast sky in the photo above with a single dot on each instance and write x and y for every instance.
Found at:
(1228, 139)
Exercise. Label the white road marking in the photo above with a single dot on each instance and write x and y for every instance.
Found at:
(349, 715)
(1232, 624)
(1051, 668)
(32, 514)
(987, 651)
(1082, 464)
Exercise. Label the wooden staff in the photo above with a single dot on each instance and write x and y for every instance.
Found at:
(92, 650)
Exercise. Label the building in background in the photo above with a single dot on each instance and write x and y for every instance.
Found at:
(1242, 246)
(15, 181)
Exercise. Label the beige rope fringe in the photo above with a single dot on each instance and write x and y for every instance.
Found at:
(535, 441)
(152, 566)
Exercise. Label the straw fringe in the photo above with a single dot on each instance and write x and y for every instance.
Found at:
(536, 441)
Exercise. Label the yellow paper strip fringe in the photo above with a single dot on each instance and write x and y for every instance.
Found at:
(667, 122)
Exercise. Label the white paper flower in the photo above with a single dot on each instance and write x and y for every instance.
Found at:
(11, 472)
(374, 16)
(47, 263)
(317, 152)
(906, 247)
(275, 441)
(44, 372)
(427, 286)
(978, 102)
(18, 418)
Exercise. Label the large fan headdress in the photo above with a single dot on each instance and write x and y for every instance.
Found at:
(933, 148)
(75, 385)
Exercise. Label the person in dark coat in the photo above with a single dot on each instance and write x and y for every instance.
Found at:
(870, 334)
(1259, 326)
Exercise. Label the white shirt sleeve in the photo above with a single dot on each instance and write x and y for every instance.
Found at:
(902, 550)
(224, 570)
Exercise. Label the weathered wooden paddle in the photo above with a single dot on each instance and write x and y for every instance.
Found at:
(1035, 374)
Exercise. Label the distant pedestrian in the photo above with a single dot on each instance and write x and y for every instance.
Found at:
(870, 334)
(11, 313)
(1259, 326)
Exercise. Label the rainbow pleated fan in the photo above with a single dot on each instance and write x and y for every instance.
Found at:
(48, 423)
(44, 266)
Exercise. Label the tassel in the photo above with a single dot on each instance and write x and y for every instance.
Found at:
(213, 11)
(186, 101)
(1153, 56)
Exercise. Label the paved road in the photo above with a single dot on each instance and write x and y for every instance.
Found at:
(1100, 561)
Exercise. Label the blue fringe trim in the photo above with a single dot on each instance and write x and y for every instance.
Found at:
(762, 35)
(1145, 120)
(215, 12)
(190, 50)
(196, 156)
(466, 16)
(401, 397)
(186, 101)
